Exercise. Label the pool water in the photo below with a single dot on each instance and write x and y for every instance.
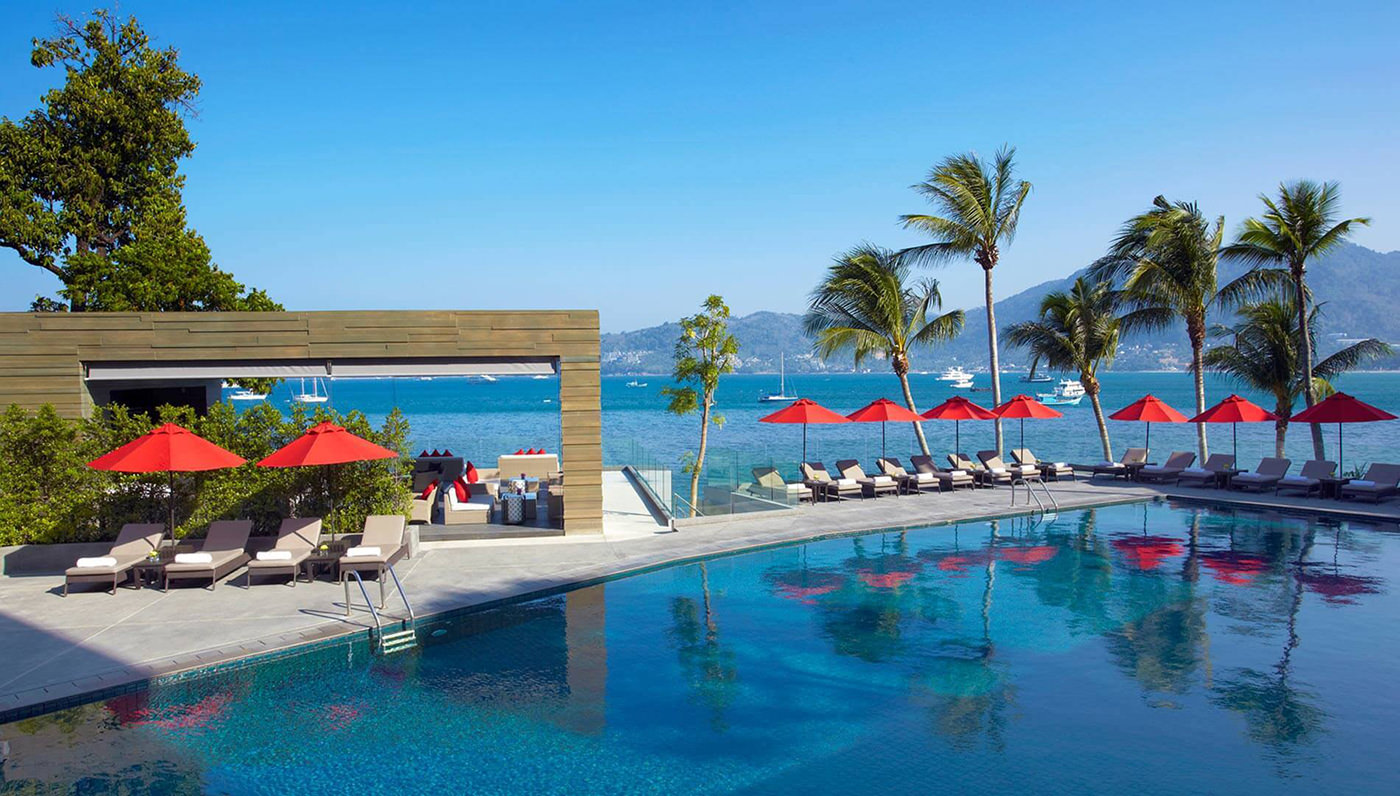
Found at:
(1150, 647)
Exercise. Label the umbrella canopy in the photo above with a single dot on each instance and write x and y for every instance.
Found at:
(1149, 409)
(1022, 407)
(1234, 410)
(167, 449)
(804, 411)
(958, 409)
(1341, 408)
(881, 411)
(326, 444)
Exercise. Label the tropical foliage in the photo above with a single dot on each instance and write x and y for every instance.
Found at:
(48, 494)
(1298, 226)
(977, 206)
(1165, 261)
(867, 305)
(704, 352)
(1263, 349)
(1078, 330)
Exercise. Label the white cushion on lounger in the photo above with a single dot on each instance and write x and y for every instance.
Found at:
(883, 479)
(796, 488)
(846, 481)
(1349, 483)
(358, 552)
(1297, 479)
(925, 478)
(96, 562)
(1060, 465)
(999, 470)
(1197, 471)
(275, 555)
(193, 558)
(1109, 464)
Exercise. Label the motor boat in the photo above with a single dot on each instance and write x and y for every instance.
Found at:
(963, 384)
(955, 373)
(247, 395)
(635, 383)
(1069, 392)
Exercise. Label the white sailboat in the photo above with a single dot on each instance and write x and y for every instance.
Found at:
(313, 397)
(247, 395)
(781, 396)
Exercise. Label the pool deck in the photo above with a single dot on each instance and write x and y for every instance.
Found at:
(60, 649)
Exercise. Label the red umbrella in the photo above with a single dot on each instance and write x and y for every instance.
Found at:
(1149, 409)
(958, 409)
(325, 444)
(1341, 408)
(804, 411)
(167, 449)
(1022, 407)
(1234, 410)
(881, 411)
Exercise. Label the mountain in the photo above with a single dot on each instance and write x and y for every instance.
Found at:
(1358, 288)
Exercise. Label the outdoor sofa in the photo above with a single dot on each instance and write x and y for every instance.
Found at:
(133, 545)
(221, 552)
(475, 510)
(421, 510)
(297, 538)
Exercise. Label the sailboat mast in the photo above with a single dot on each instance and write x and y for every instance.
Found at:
(782, 373)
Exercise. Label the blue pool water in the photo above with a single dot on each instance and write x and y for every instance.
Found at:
(1150, 648)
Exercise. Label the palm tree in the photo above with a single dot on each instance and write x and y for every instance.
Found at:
(1165, 260)
(865, 304)
(1264, 351)
(978, 206)
(1300, 225)
(1078, 330)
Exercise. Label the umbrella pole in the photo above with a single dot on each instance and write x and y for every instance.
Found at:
(957, 435)
(882, 439)
(1147, 442)
(1341, 457)
(170, 499)
(804, 442)
(1235, 441)
(1023, 434)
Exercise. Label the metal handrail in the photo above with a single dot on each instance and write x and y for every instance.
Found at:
(694, 512)
(1030, 494)
(1046, 489)
(402, 594)
(378, 625)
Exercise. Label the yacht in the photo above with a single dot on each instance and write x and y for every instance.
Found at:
(963, 384)
(956, 374)
(247, 395)
(635, 383)
(781, 396)
(316, 396)
(1069, 392)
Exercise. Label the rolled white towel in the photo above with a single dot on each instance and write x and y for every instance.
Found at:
(193, 558)
(275, 555)
(361, 552)
(1061, 465)
(925, 478)
(1110, 464)
(1196, 471)
(95, 562)
(846, 481)
(883, 480)
(999, 470)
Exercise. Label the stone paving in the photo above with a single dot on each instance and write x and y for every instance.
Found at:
(59, 648)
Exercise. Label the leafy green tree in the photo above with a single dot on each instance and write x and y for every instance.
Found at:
(867, 305)
(1263, 351)
(1078, 330)
(1166, 262)
(89, 184)
(978, 205)
(1298, 226)
(705, 351)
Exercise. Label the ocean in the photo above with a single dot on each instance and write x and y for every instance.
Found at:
(481, 420)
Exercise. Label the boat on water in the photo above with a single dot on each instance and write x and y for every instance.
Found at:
(635, 383)
(781, 395)
(1035, 378)
(955, 373)
(539, 377)
(964, 384)
(316, 396)
(247, 395)
(488, 377)
(1069, 392)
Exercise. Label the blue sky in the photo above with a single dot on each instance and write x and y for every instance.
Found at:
(635, 157)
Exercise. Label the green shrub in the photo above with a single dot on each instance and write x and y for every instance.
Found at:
(49, 495)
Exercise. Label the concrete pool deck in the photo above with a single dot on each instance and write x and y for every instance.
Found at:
(58, 649)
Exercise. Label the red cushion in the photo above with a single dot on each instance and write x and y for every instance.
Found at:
(463, 493)
(520, 452)
(429, 490)
(435, 452)
(446, 452)
(540, 451)
(423, 454)
(472, 475)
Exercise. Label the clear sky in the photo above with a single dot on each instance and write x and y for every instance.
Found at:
(635, 157)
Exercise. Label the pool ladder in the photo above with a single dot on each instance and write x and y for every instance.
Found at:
(1031, 495)
(387, 641)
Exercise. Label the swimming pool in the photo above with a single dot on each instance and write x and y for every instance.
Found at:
(1148, 647)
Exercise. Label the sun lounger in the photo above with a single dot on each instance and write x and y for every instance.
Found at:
(1217, 464)
(870, 485)
(925, 468)
(1121, 467)
(1382, 480)
(1169, 471)
(993, 462)
(771, 485)
(380, 546)
(296, 540)
(909, 483)
(983, 475)
(816, 477)
(222, 550)
(1263, 477)
(1056, 470)
(134, 544)
(1309, 480)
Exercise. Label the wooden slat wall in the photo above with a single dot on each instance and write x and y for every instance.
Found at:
(42, 356)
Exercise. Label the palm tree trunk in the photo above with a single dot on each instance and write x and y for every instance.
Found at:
(1091, 386)
(700, 459)
(992, 351)
(1300, 295)
(1280, 433)
(909, 402)
(1196, 329)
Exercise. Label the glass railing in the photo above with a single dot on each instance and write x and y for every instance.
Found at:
(731, 482)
